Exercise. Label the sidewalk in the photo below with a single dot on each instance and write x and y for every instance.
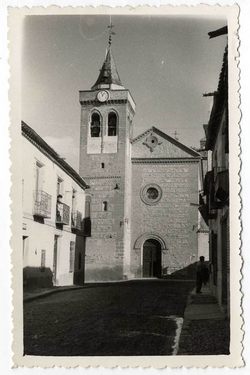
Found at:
(206, 329)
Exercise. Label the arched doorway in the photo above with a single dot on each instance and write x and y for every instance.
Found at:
(151, 266)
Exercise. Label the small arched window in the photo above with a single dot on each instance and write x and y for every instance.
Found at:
(105, 206)
(95, 128)
(112, 124)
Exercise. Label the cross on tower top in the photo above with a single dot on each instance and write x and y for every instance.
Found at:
(110, 27)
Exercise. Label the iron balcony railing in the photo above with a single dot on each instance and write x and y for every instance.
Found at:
(62, 213)
(42, 204)
(76, 220)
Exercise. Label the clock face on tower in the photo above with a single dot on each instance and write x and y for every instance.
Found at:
(103, 96)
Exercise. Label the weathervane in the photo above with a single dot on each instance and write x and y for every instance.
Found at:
(110, 27)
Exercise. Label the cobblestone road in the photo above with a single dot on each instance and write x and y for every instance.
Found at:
(130, 318)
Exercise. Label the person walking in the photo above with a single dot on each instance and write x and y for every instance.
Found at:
(199, 274)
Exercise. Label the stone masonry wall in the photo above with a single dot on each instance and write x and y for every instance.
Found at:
(172, 218)
(104, 249)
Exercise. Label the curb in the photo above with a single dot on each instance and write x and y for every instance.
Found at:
(87, 285)
(49, 292)
(185, 327)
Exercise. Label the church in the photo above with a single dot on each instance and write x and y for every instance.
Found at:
(143, 191)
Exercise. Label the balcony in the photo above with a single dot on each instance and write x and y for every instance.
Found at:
(62, 213)
(222, 186)
(42, 204)
(218, 170)
(76, 220)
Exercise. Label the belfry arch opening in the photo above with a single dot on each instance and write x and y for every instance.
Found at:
(95, 128)
(112, 124)
(151, 259)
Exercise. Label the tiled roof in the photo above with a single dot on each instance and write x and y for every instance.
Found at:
(38, 141)
(220, 102)
(108, 73)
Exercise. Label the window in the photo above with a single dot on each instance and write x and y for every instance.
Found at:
(95, 129)
(39, 177)
(59, 206)
(112, 124)
(105, 206)
(59, 188)
(43, 258)
(74, 213)
(102, 165)
(73, 200)
(151, 194)
(71, 256)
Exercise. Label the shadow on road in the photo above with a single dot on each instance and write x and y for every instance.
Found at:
(108, 319)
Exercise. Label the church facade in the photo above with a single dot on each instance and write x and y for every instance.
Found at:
(143, 191)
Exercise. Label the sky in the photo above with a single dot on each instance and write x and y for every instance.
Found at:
(167, 63)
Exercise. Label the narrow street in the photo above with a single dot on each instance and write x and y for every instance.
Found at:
(131, 318)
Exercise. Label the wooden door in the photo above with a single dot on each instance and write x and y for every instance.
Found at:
(151, 259)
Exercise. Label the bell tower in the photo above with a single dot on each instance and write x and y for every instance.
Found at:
(107, 112)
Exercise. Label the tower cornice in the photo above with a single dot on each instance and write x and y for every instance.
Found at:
(95, 102)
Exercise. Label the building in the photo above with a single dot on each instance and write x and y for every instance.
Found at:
(216, 189)
(54, 222)
(202, 224)
(144, 190)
